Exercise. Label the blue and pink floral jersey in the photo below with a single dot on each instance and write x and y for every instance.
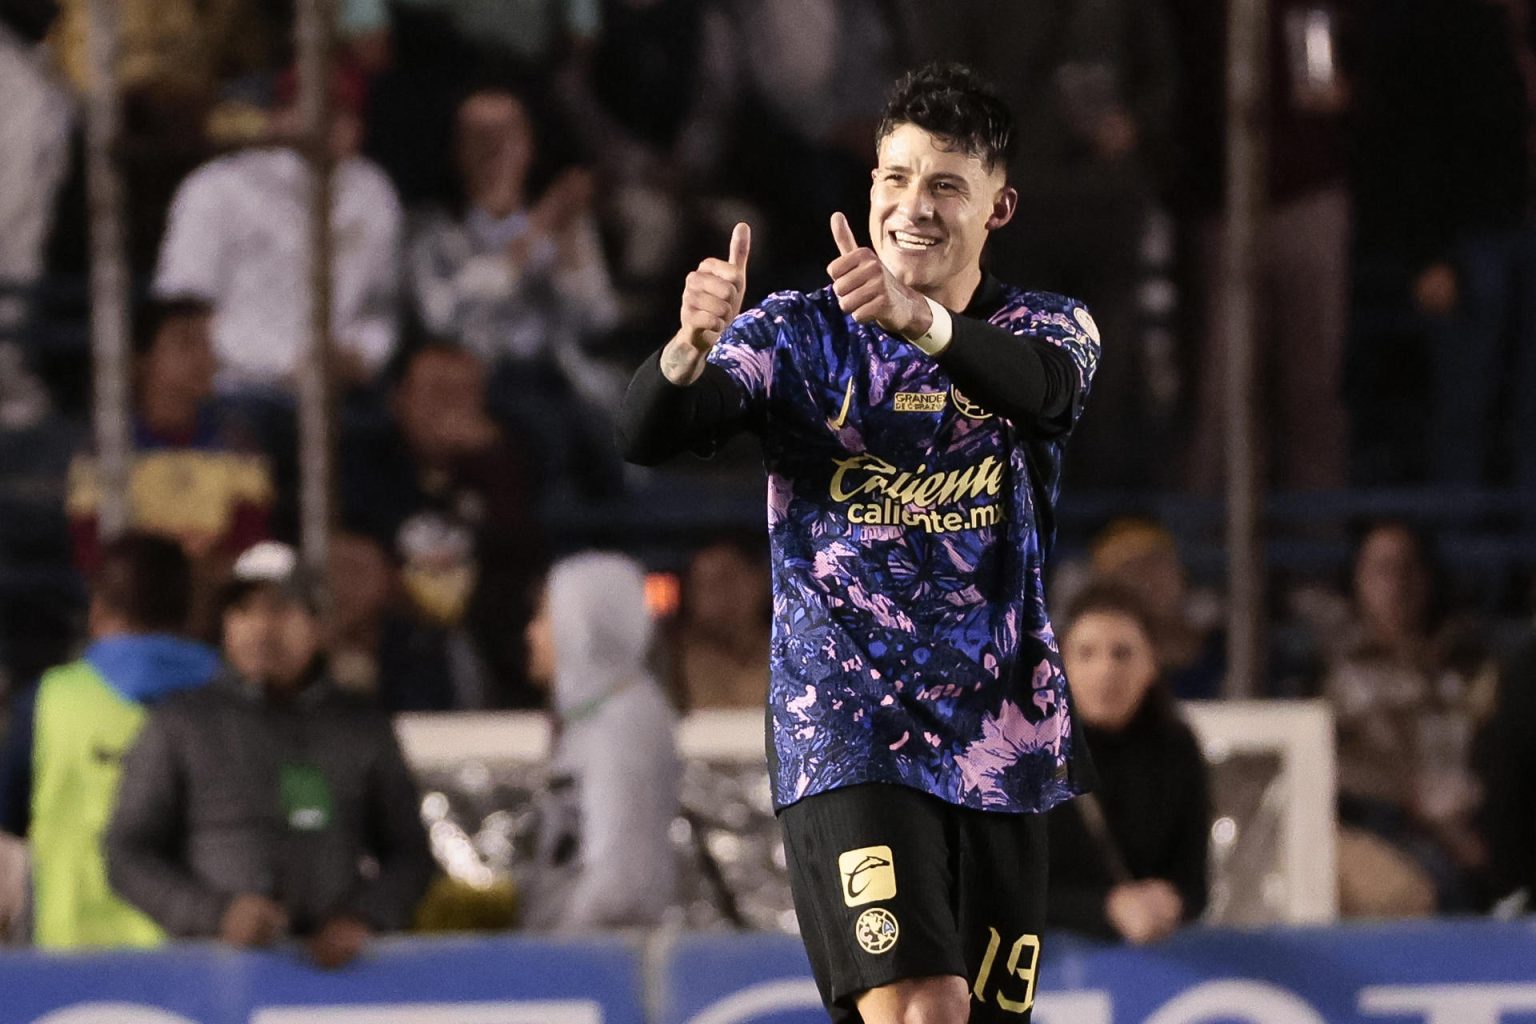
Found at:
(909, 529)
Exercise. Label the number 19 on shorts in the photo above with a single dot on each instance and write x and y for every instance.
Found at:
(1023, 959)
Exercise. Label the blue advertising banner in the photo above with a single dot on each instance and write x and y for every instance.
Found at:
(1468, 972)
(761, 979)
(449, 981)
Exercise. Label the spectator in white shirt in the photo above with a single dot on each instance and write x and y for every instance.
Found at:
(34, 150)
(238, 239)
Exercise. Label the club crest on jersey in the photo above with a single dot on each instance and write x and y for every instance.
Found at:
(1085, 321)
(968, 407)
(877, 930)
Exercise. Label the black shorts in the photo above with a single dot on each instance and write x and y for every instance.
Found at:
(891, 883)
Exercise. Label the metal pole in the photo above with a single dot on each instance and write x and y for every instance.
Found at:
(1247, 69)
(109, 275)
(316, 439)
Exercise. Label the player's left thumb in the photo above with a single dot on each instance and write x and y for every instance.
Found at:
(842, 234)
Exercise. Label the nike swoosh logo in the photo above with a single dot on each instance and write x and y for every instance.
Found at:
(842, 416)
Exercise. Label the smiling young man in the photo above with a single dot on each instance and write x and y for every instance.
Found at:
(913, 417)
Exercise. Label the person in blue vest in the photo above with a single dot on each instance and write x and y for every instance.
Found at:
(60, 767)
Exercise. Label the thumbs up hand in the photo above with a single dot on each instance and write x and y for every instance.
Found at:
(869, 292)
(711, 300)
(712, 294)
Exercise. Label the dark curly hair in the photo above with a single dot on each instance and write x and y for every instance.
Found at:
(953, 102)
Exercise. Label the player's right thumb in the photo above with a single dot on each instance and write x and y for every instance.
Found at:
(741, 245)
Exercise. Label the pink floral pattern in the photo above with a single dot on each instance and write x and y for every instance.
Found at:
(905, 651)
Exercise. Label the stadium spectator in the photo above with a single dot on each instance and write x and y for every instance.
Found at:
(59, 772)
(363, 28)
(1129, 862)
(382, 645)
(196, 477)
(1446, 122)
(40, 617)
(173, 56)
(15, 882)
(1142, 556)
(813, 79)
(454, 503)
(1093, 87)
(653, 102)
(521, 281)
(362, 583)
(409, 130)
(34, 150)
(720, 645)
(1407, 683)
(248, 809)
(1302, 250)
(604, 856)
(1506, 763)
(34, 158)
(238, 238)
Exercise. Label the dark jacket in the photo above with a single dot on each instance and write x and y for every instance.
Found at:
(219, 798)
(1156, 797)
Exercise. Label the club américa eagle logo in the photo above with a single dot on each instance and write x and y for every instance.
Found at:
(966, 406)
(877, 930)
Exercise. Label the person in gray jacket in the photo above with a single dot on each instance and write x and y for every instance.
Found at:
(270, 803)
(604, 856)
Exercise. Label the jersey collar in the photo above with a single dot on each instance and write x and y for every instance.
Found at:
(987, 299)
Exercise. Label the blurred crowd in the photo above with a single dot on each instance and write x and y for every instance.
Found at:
(519, 188)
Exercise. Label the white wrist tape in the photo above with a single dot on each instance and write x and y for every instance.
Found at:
(939, 332)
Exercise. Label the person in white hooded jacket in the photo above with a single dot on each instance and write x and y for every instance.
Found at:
(604, 857)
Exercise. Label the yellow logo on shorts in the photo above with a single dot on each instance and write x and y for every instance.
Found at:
(877, 930)
(868, 874)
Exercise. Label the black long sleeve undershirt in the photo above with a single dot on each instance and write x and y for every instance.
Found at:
(1029, 382)
(660, 419)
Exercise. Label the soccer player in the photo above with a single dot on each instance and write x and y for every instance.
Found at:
(912, 417)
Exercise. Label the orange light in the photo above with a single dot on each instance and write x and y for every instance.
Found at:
(663, 592)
